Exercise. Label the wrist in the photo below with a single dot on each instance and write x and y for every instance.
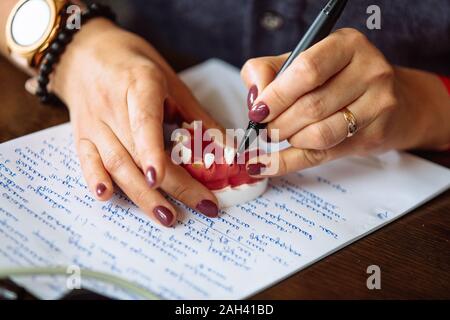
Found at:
(426, 104)
(77, 55)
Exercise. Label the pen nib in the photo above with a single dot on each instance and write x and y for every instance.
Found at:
(251, 134)
(241, 149)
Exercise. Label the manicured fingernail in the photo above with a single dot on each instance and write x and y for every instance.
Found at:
(100, 190)
(150, 176)
(164, 215)
(252, 95)
(258, 112)
(208, 208)
(255, 169)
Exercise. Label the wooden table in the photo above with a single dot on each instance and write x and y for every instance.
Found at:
(412, 252)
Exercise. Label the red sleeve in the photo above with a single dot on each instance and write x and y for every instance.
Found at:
(446, 82)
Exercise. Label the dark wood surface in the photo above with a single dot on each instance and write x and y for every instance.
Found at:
(412, 252)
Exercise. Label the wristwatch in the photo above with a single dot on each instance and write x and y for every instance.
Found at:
(31, 27)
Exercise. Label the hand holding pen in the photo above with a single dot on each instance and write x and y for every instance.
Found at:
(341, 97)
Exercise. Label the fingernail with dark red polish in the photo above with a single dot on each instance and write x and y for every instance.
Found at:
(150, 176)
(259, 112)
(164, 215)
(208, 208)
(255, 169)
(100, 190)
(252, 95)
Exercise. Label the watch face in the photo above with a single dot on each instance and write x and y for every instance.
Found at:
(31, 22)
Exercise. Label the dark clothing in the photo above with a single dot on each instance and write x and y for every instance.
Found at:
(414, 33)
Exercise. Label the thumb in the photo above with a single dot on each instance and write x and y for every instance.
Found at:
(258, 73)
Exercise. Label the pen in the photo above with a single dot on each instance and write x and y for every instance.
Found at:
(320, 28)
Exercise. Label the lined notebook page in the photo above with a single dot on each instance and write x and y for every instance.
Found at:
(48, 217)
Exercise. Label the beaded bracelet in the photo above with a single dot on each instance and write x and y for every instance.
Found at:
(57, 48)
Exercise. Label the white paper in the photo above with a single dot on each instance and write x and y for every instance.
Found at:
(48, 217)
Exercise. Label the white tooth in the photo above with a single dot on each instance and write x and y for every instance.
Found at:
(196, 125)
(186, 155)
(180, 137)
(229, 155)
(186, 125)
(208, 160)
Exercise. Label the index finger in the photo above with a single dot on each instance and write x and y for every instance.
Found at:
(258, 73)
(145, 100)
(310, 70)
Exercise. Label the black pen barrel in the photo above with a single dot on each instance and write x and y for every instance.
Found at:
(319, 30)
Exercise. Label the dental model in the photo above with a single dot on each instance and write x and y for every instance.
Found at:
(217, 168)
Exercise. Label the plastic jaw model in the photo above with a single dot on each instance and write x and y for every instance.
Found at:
(217, 167)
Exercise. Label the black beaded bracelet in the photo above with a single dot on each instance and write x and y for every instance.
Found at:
(57, 48)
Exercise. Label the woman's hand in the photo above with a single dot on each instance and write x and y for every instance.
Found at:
(116, 86)
(395, 108)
